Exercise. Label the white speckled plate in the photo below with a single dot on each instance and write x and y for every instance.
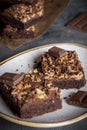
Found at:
(23, 62)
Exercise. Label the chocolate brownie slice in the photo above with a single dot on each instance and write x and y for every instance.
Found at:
(22, 16)
(14, 33)
(62, 68)
(80, 22)
(30, 97)
(78, 99)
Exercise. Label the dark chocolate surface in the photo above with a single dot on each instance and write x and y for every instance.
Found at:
(57, 52)
(80, 22)
(78, 99)
(11, 79)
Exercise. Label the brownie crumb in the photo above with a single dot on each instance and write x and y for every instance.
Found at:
(17, 70)
(65, 98)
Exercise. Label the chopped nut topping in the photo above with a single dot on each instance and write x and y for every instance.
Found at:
(65, 67)
(25, 13)
(40, 94)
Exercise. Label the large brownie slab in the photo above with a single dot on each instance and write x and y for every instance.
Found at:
(22, 16)
(62, 69)
(80, 22)
(30, 97)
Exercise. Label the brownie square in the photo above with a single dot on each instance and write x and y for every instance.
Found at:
(14, 33)
(30, 97)
(78, 99)
(22, 16)
(64, 71)
(79, 22)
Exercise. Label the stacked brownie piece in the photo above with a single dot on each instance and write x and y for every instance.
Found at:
(27, 95)
(62, 68)
(38, 91)
(21, 17)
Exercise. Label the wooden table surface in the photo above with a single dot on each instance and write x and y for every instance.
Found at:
(57, 33)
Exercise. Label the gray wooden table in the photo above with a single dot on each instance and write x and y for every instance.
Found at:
(56, 33)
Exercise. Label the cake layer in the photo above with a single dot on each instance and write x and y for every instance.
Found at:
(15, 33)
(66, 84)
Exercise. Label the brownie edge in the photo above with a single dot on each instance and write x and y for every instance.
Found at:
(14, 33)
(66, 84)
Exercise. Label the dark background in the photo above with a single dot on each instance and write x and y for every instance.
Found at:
(57, 32)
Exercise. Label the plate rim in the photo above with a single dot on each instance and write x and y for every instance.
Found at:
(42, 124)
